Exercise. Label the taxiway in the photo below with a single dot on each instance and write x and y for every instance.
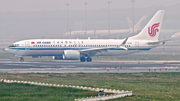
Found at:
(14, 66)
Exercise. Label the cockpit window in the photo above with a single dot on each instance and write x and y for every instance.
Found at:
(14, 45)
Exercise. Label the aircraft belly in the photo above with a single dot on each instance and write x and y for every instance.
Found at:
(60, 52)
(39, 52)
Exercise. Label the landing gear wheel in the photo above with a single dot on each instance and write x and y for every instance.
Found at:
(89, 59)
(83, 59)
(21, 59)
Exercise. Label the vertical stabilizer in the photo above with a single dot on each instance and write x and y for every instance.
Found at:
(130, 23)
(152, 29)
(141, 23)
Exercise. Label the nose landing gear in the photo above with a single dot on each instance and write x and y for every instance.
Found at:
(21, 59)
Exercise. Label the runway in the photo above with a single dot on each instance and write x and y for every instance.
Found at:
(14, 66)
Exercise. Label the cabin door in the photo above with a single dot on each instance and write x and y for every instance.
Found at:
(137, 45)
(27, 45)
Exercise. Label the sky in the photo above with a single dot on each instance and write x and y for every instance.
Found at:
(53, 5)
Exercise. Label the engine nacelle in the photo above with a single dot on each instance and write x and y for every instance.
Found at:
(71, 55)
(58, 57)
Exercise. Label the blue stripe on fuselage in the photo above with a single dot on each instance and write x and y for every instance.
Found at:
(69, 48)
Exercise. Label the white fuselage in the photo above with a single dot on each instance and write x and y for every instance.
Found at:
(55, 47)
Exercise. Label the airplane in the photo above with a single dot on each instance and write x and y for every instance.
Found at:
(176, 35)
(84, 49)
(137, 28)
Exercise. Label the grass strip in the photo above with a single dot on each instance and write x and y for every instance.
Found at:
(145, 86)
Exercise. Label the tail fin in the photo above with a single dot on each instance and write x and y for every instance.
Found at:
(152, 29)
(130, 23)
(141, 23)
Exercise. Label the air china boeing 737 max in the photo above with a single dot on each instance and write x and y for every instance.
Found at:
(84, 49)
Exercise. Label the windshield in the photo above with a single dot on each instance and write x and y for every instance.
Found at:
(14, 45)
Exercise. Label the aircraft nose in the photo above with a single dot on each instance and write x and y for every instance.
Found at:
(7, 49)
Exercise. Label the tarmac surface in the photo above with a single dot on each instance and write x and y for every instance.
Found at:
(14, 66)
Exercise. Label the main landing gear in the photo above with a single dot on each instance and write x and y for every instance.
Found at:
(21, 59)
(83, 59)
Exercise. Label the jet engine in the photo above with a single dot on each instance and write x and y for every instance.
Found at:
(71, 55)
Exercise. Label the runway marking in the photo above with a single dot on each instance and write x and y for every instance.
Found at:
(91, 70)
(21, 65)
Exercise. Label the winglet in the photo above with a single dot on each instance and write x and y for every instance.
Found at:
(124, 42)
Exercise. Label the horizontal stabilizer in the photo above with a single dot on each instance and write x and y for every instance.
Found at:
(158, 42)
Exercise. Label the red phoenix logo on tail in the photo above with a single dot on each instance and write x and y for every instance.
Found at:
(152, 29)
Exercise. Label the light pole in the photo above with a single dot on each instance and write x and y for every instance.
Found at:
(133, 13)
(109, 15)
(86, 15)
(67, 4)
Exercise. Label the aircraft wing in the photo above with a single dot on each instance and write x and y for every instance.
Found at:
(95, 51)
